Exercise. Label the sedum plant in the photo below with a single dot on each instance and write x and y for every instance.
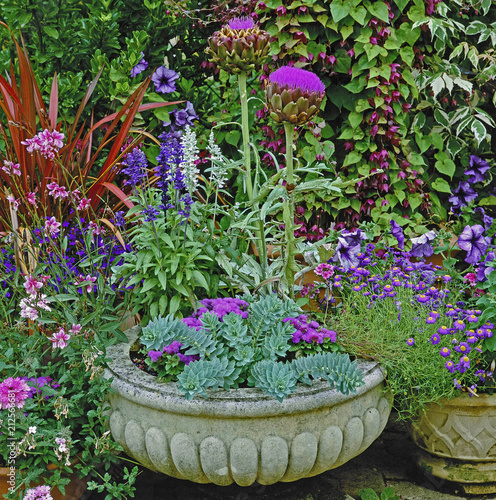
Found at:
(231, 342)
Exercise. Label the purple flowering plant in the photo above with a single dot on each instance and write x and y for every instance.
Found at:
(263, 342)
(421, 322)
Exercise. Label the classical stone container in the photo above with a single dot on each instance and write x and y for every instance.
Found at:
(457, 441)
(241, 435)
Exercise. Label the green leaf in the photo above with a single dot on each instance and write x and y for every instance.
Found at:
(446, 167)
(441, 185)
(358, 14)
(200, 280)
(51, 32)
(351, 158)
(379, 10)
(355, 119)
(339, 10)
(401, 4)
(232, 137)
(479, 131)
(162, 277)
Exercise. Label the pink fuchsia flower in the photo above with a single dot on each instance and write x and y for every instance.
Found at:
(46, 142)
(32, 285)
(52, 227)
(38, 493)
(13, 393)
(31, 198)
(59, 339)
(11, 168)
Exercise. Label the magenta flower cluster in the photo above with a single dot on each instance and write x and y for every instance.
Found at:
(46, 143)
(309, 331)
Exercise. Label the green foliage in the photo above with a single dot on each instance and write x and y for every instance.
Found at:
(370, 494)
(253, 351)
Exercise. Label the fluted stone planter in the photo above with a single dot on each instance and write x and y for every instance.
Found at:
(457, 441)
(241, 435)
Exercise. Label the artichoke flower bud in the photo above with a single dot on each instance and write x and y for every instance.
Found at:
(293, 95)
(239, 47)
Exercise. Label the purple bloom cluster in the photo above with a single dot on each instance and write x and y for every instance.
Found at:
(241, 23)
(220, 307)
(168, 170)
(172, 349)
(136, 167)
(310, 332)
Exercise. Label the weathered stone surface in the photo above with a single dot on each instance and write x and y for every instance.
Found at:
(241, 435)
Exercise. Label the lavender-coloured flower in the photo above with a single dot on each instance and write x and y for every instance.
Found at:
(155, 355)
(477, 170)
(487, 220)
(462, 196)
(140, 67)
(239, 47)
(294, 95)
(165, 80)
(347, 254)
(151, 213)
(421, 246)
(484, 269)
(168, 161)
(397, 232)
(473, 242)
(136, 167)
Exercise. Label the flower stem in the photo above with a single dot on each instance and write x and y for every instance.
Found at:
(288, 210)
(245, 130)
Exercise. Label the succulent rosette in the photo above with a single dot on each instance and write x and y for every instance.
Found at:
(294, 95)
(240, 46)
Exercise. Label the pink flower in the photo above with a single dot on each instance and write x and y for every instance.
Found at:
(84, 204)
(13, 201)
(11, 168)
(52, 227)
(39, 493)
(471, 278)
(32, 285)
(325, 270)
(57, 191)
(13, 393)
(76, 329)
(59, 339)
(46, 142)
(93, 226)
(91, 279)
(31, 198)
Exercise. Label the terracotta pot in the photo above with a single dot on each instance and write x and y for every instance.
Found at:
(73, 491)
(241, 435)
(457, 442)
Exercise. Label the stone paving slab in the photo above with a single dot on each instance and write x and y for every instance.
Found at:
(386, 463)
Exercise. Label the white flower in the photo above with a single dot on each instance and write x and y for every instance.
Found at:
(218, 170)
(190, 157)
(32, 430)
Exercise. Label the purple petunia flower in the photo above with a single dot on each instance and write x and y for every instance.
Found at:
(487, 220)
(477, 170)
(421, 246)
(472, 241)
(165, 80)
(397, 232)
(289, 76)
(179, 119)
(140, 67)
(241, 23)
(484, 270)
(462, 196)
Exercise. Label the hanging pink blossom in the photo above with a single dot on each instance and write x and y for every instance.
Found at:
(13, 393)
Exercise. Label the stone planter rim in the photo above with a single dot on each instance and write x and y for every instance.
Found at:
(134, 383)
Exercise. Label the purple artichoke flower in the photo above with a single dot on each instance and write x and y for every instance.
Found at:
(241, 23)
(473, 242)
(477, 170)
(398, 234)
(462, 196)
(140, 67)
(421, 246)
(165, 80)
